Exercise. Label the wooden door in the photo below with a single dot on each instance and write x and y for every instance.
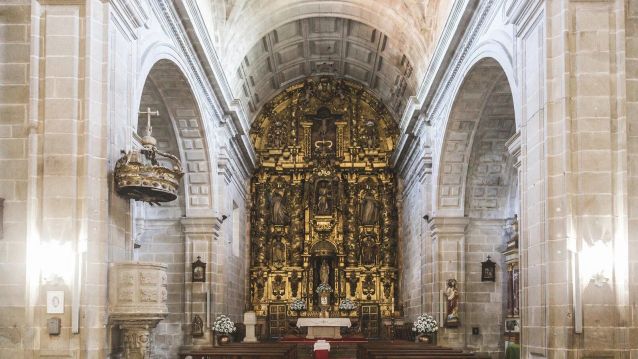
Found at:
(277, 320)
(370, 320)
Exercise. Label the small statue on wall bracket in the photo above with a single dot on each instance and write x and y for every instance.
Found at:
(452, 296)
(197, 326)
(199, 270)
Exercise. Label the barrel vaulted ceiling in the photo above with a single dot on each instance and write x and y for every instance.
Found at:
(265, 45)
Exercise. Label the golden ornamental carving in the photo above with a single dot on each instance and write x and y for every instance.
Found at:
(148, 174)
(323, 198)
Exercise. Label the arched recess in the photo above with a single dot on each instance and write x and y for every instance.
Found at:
(166, 86)
(158, 230)
(479, 182)
(484, 94)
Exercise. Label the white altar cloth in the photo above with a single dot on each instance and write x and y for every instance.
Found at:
(323, 327)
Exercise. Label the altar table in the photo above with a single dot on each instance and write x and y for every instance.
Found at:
(323, 327)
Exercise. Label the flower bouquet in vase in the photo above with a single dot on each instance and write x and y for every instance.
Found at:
(298, 305)
(425, 327)
(346, 306)
(223, 327)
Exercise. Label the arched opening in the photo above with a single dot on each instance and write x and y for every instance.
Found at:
(157, 231)
(478, 181)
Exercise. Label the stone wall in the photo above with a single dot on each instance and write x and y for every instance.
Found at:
(631, 68)
(15, 39)
(484, 303)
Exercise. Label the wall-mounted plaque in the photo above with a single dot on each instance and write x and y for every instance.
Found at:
(199, 270)
(488, 271)
(55, 302)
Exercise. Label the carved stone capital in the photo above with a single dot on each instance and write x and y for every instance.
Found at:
(442, 227)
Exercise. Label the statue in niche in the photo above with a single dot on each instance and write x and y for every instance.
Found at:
(294, 279)
(324, 197)
(197, 326)
(511, 232)
(278, 212)
(324, 272)
(452, 297)
(260, 284)
(369, 210)
(353, 280)
(277, 135)
(279, 252)
(371, 137)
(368, 250)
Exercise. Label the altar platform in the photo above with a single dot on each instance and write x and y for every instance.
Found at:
(325, 328)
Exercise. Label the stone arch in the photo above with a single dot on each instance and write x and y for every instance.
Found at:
(485, 93)
(167, 85)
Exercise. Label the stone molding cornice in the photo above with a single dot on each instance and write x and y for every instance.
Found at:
(201, 225)
(131, 15)
(461, 14)
(170, 18)
(442, 227)
(518, 12)
(513, 145)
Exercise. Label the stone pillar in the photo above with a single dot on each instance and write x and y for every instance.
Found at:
(448, 246)
(200, 240)
(137, 302)
(250, 320)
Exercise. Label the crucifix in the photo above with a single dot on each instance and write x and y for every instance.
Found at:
(148, 114)
(323, 114)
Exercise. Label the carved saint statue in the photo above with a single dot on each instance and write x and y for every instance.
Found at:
(278, 213)
(324, 272)
(452, 296)
(279, 253)
(369, 210)
(368, 251)
(323, 198)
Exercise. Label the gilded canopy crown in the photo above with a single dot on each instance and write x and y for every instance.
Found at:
(141, 175)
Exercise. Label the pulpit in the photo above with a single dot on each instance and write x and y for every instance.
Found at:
(323, 327)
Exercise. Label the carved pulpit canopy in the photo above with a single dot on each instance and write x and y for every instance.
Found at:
(141, 173)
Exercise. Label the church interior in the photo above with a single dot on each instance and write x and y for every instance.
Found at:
(369, 179)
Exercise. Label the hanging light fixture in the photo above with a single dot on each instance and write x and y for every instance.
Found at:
(139, 175)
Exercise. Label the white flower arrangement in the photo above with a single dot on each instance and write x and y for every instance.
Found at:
(298, 305)
(323, 287)
(425, 323)
(347, 304)
(223, 325)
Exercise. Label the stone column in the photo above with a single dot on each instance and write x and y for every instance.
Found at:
(448, 246)
(200, 240)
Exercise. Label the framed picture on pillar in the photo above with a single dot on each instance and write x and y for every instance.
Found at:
(488, 271)
(199, 270)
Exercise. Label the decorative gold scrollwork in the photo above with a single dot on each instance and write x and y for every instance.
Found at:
(323, 198)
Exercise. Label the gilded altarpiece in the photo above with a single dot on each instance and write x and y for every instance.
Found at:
(323, 199)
